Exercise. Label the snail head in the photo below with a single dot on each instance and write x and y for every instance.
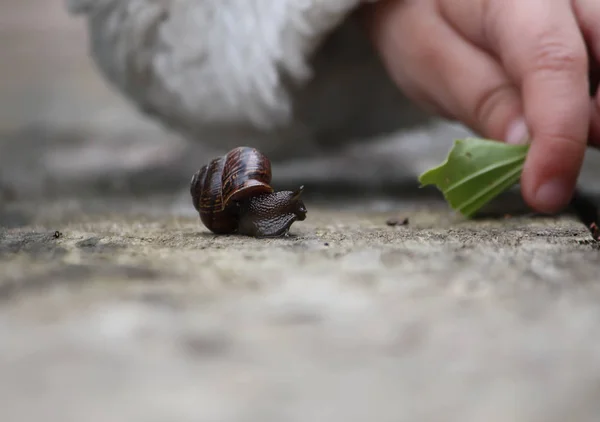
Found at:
(295, 205)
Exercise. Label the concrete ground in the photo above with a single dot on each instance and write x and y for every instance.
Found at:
(134, 312)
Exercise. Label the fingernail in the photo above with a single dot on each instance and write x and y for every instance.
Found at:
(517, 132)
(553, 195)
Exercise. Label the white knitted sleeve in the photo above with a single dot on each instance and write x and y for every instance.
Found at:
(209, 61)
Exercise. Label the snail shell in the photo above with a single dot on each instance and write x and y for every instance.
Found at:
(232, 194)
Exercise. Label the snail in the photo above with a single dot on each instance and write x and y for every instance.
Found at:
(232, 194)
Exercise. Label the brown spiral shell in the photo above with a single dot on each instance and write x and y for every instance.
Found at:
(220, 185)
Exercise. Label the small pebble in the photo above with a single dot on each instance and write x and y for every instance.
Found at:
(396, 221)
(595, 231)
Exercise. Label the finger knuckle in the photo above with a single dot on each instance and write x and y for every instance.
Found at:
(489, 101)
(562, 144)
(489, 14)
(556, 55)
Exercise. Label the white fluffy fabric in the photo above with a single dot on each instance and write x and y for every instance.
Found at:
(280, 72)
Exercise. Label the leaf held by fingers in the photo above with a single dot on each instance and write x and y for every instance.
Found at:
(475, 172)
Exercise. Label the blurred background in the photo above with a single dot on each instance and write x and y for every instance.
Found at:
(65, 132)
(48, 79)
(62, 128)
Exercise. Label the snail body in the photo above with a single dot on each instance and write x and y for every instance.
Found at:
(233, 195)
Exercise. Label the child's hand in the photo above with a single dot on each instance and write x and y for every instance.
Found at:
(494, 64)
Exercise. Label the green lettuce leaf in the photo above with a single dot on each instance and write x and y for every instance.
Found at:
(475, 172)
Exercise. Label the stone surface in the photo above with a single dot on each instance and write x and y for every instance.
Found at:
(136, 313)
(133, 316)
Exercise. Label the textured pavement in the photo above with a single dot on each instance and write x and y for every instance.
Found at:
(137, 313)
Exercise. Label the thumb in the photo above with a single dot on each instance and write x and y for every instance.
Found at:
(549, 60)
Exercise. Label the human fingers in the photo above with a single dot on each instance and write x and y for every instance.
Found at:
(588, 16)
(542, 48)
(472, 86)
(388, 24)
(443, 69)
